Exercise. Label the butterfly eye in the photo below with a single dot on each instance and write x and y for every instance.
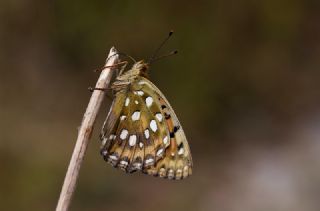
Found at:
(144, 68)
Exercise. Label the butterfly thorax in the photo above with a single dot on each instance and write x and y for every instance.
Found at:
(123, 80)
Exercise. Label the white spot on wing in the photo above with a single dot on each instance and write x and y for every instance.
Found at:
(123, 162)
(178, 174)
(165, 140)
(146, 133)
(141, 145)
(150, 160)
(142, 82)
(149, 101)
(127, 101)
(153, 125)
(113, 157)
(124, 134)
(123, 117)
(137, 165)
(185, 171)
(162, 172)
(181, 151)
(159, 117)
(105, 152)
(104, 141)
(132, 140)
(140, 93)
(170, 174)
(159, 152)
(136, 102)
(136, 116)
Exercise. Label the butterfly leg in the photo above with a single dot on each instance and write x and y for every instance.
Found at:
(101, 89)
(123, 63)
(91, 89)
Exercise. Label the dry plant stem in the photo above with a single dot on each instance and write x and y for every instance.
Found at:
(84, 134)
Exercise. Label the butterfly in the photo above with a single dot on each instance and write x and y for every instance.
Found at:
(141, 131)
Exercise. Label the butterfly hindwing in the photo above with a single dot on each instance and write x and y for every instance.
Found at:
(135, 140)
(177, 161)
(142, 132)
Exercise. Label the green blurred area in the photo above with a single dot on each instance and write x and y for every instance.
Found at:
(245, 86)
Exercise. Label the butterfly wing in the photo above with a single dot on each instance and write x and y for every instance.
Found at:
(177, 162)
(142, 133)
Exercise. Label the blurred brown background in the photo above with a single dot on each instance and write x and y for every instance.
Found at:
(245, 86)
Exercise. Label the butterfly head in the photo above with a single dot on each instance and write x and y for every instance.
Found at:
(141, 68)
(141, 65)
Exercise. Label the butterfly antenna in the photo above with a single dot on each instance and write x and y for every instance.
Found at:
(160, 46)
(164, 56)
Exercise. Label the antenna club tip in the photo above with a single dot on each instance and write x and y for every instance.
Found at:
(171, 32)
(175, 52)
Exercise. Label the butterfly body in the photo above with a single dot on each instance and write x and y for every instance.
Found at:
(141, 131)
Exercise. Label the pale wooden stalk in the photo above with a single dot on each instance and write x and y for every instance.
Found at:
(84, 134)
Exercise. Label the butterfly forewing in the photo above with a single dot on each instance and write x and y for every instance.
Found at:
(142, 133)
(177, 161)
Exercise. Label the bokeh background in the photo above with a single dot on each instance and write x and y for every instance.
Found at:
(245, 86)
